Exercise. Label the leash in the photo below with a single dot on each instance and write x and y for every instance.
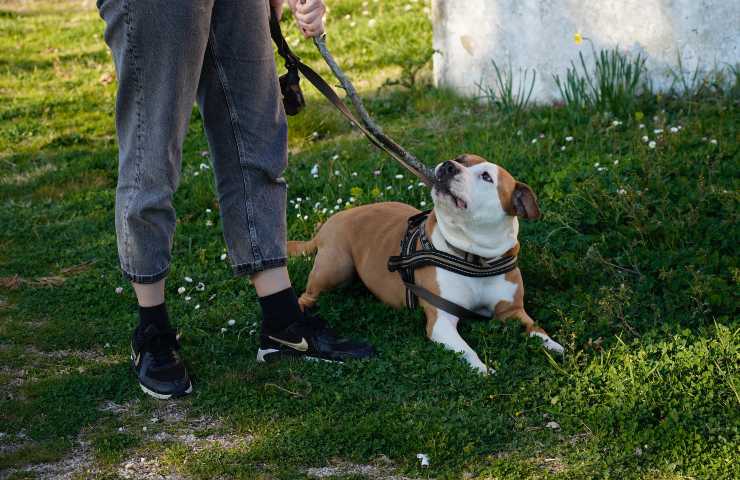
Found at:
(410, 259)
(294, 102)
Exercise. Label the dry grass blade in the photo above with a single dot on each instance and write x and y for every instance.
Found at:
(16, 281)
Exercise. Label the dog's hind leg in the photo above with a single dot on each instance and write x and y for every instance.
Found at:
(442, 328)
(331, 268)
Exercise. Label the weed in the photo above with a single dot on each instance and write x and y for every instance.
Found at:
(611, 86)
(506, 98)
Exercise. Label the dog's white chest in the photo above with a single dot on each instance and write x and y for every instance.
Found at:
(475, 293)
(472, 292)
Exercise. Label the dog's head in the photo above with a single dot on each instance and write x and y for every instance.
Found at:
(474, 195)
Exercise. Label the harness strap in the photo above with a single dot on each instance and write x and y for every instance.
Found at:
(451, 263)
(409, 259)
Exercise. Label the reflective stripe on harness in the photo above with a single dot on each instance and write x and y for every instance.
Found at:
(411, 258)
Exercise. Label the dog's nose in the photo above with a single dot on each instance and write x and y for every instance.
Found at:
(447, 170)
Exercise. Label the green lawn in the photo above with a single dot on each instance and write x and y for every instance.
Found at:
(633, 268)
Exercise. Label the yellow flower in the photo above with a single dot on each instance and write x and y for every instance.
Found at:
(356, 191)
(578, 38)
(375, 192)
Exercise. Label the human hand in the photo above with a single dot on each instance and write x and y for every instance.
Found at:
(309, 15)
(277, 5)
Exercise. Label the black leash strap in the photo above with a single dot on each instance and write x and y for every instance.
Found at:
(294, 64)
(452, 308)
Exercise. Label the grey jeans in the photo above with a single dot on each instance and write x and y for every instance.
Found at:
(168, 54)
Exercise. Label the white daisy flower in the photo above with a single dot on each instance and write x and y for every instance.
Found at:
(188, 298)
(645, 138)
(181, 290)
(208, 210)
(200, 287)
(569, 139)
(674, 130)
(204, 166)
(223, 256)
(188, 279)
(399, 176)
(197, 307)
(223, 330)
(658, 131)
(713, 141)
(119, 290)
(315, 170)
(231, 322)
(371, 23)
(209, 223)
(651, 144)
(422, 204)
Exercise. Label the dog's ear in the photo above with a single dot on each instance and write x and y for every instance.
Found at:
(524, 202)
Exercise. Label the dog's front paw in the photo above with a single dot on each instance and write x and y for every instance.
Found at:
(548, 342)
(482, 368)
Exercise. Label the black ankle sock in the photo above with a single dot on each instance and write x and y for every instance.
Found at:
(279, 310)
(156, 316)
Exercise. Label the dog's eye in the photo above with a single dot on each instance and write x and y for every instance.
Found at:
(486, 177)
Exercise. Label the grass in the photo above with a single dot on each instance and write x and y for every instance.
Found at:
(633, 268)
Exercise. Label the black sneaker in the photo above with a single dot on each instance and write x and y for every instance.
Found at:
(161, 371)
(311, 338)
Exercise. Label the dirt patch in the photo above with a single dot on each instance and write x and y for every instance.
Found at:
(380, 469)
(146, 468)
(551, 464)
(75, 465)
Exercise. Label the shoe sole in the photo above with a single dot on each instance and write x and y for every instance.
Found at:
(277, 355)
(162, 396)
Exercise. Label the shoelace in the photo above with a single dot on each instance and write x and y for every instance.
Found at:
(162, 344)
(318, 324)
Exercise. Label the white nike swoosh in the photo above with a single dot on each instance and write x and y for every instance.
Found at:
(136, 357)
(301, 346)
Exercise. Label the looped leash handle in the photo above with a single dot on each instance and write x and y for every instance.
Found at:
(293, 100)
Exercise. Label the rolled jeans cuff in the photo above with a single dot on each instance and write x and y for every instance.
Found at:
(243, 269)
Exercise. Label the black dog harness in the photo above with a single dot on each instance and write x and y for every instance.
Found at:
(470, 266)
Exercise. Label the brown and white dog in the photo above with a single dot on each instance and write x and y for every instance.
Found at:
(476, 210)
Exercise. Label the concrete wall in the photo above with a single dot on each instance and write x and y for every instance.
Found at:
(538, 34)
